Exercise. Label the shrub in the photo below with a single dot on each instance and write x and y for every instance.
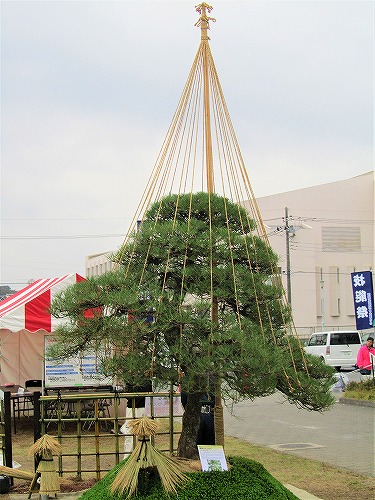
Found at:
(361, 390)
(245, 480)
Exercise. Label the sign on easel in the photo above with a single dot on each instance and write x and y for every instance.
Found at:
(212, 457)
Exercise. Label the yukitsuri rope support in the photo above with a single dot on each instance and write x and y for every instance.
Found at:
(201, 153)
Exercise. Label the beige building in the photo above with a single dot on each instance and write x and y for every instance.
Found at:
(98, 264)
(331, 234)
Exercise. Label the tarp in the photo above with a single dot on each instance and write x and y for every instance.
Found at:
(24, 322)
(28, 308)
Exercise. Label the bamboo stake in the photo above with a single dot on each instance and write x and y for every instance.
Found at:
(19, 474)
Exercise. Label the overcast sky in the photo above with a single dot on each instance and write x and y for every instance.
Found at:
(88, 90)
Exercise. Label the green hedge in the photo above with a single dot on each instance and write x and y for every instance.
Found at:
(246, 480)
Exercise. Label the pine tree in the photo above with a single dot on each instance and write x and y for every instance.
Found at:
(190, 252)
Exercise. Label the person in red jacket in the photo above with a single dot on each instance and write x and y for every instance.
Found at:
(363, 357)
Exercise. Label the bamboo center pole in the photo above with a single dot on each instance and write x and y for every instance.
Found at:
(203, 22)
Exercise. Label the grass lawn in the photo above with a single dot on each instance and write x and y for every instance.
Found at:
(364, 390)
(318, 478)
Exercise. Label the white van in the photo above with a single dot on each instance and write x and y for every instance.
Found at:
(337, 348)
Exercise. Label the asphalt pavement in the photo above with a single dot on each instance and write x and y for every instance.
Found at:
(342, 436)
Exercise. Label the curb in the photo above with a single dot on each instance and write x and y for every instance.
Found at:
(357, 402)
(301, 494)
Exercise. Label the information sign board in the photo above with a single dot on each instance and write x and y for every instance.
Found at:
(78, 371)
(212, 457)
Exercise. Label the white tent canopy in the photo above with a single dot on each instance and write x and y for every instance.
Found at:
(24, 322)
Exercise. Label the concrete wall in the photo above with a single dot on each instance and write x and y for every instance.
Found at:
(332, 235)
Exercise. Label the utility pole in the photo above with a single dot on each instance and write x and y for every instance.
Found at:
(288, 281)
(322, 298)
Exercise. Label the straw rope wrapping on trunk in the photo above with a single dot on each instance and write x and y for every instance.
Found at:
(145, 456)
(44, 448)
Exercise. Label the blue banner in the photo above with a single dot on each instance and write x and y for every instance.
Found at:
(363, 296)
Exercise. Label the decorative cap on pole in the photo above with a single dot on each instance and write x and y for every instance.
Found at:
(203, 21)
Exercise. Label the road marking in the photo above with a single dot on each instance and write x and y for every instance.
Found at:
(296, 425)
(295, 446)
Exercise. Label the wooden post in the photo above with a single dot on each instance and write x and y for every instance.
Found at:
(8, 432)
(37, 423)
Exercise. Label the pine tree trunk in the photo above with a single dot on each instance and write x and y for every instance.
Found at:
(187, 444)
(219, 414)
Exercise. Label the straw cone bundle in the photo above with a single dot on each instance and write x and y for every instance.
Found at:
(46, 445)
(146, 456)
(44, 448)
(143, 426)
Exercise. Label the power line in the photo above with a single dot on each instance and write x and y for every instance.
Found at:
(62, 237)
(63, 218)
(322, 219)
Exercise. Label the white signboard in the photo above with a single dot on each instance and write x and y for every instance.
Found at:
(212, 457)
(75, 371)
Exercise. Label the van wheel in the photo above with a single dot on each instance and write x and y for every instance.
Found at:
(324, 361)
(337, 368)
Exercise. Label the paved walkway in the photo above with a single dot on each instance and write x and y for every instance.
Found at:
(302, 495)
(34, 496)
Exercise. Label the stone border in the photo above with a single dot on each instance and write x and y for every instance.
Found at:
(357, 402)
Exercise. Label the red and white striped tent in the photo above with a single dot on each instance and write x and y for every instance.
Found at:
(24, 321)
